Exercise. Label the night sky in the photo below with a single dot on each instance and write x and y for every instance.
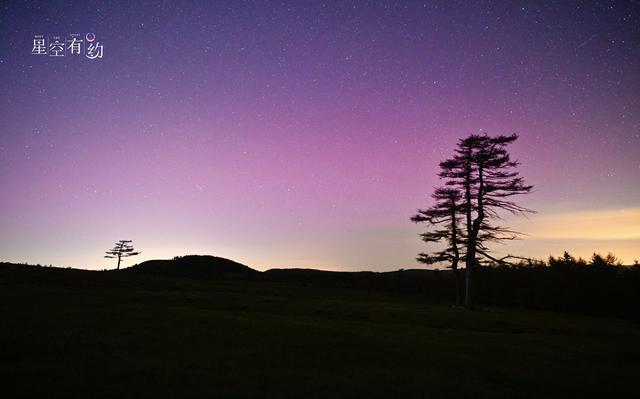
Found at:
(305, 134)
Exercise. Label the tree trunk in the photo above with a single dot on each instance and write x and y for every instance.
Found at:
(471, 242)
(456, 274)
(470, 262)
(468, 295)
(473, 230)
(118, 263)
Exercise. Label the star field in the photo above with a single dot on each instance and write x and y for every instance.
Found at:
(304, 134)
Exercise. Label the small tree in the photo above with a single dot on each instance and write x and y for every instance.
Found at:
(122, 249)
(444, 219)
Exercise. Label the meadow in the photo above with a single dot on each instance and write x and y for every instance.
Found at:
(69, 333)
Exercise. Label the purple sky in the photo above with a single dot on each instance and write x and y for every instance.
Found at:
(305, 134)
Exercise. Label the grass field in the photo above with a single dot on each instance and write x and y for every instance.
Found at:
(95, 334)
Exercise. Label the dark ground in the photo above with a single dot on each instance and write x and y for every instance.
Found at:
(68, 333)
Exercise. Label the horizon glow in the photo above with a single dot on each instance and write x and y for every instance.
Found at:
(306, 135)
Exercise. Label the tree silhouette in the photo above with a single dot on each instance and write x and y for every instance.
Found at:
(122, 249)
(607, 261)
(567, 261)
(482, 170)
(444, 219)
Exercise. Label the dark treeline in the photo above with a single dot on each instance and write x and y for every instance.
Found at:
(598, 286)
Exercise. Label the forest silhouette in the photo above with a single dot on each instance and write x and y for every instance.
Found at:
(600, 285)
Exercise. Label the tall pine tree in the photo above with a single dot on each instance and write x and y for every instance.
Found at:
(486, 178)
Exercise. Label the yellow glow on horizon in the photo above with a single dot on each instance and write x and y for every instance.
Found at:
(618, 224)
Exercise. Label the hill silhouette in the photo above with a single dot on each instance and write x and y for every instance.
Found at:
(194, 266)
